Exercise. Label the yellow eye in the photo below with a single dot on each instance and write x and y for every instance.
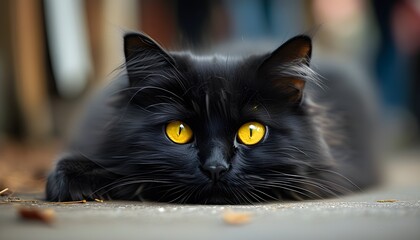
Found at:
(251, 133)
(179, 132)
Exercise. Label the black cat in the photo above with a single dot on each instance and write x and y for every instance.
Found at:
(219, 130)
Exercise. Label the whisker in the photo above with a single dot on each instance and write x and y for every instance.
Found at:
(255, 189)
(317, 180)
(127, 181)
(340, 175)
(313, 184)
(192, 191)
(293, 188)
(177, 188)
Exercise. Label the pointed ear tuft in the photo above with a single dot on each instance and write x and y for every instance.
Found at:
(286, 67)
(298, 48)
(144, 56)
(135, 43)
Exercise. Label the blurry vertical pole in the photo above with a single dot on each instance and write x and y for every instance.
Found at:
(5, 67)
(68, 42)
(117, 18)
(30, 69)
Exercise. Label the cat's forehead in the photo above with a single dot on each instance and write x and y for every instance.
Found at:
(213, 58)
(216, 63)
(216, 83)
(218, 72)
(213, 76)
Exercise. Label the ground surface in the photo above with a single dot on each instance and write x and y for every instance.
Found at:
(358, 216)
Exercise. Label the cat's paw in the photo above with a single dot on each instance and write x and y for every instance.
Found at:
(57, 189)
(70, 180)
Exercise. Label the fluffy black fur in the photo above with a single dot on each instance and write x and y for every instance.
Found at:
(314, 147)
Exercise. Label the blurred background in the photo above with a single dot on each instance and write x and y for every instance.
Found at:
(53, 53)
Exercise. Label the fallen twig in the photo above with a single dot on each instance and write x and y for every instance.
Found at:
(387, 201)
(71, 202)
(3, 191)
(19, 200)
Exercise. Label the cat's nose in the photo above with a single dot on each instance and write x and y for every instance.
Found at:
(215, 171)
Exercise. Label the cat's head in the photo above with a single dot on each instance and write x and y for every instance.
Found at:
(215, 129)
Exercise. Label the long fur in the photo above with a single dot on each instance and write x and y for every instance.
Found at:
(122, 151)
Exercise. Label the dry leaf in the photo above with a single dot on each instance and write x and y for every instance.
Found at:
(32, 213)
(98, 200)
(236, 218)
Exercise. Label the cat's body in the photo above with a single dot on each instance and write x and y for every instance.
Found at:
(315, 142)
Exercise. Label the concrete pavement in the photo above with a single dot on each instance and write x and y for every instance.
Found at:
(358, 216)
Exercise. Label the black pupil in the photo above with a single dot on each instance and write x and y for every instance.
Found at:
(180, 129)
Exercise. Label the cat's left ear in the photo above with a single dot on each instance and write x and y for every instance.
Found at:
(281, 67)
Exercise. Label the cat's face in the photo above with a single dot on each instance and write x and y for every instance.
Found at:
(215, 130)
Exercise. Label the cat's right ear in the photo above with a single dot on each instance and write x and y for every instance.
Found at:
(143, 56)
(140, 43)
